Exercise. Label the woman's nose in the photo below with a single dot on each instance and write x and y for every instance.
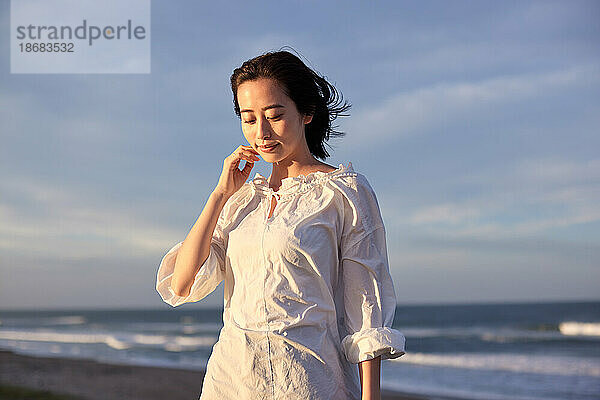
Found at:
(263, 128)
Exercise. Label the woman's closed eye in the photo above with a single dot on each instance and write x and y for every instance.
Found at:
(275, 118)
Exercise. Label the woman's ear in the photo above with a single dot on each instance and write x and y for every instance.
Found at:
(307, 119)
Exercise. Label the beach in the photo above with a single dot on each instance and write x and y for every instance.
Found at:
(476, 351)
(92, 380)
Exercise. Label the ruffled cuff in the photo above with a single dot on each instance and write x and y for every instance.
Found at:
(370, 343)
(203, 284)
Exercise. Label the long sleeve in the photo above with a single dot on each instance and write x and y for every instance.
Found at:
(208, 277)
(368, 291)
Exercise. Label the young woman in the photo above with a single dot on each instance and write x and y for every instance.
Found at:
(308, 293)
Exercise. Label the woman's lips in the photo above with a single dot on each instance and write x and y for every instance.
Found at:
(268, 149)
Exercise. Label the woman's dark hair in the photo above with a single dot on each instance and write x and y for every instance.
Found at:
(311, 93)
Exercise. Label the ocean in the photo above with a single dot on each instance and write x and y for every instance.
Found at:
(525, 351)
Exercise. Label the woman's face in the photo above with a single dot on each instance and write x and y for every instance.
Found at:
(269, 117)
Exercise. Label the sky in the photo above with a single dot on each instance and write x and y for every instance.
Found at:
(476, 123)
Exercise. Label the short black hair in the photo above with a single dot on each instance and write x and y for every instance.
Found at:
(312, 94)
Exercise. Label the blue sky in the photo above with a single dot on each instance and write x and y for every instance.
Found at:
(475, 122)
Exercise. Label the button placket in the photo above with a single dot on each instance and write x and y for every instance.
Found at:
(268, 350)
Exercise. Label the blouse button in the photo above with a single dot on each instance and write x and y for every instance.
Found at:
(284, 333)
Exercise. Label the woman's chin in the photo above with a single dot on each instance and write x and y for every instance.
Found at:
(270, 158)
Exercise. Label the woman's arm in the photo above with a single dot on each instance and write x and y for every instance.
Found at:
(369, 371)
(195, 249)
(196, 246)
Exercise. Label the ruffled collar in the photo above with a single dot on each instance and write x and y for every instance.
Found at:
(300, 183)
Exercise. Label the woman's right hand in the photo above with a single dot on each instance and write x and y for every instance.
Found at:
(232, 178)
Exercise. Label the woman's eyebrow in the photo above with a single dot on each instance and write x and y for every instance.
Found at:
(264, 108)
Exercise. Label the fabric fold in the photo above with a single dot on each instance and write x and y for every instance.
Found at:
(307, 293)
(370, 343)
(368, 294)
(208, 277)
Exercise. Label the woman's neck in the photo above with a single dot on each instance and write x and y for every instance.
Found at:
(284, 170)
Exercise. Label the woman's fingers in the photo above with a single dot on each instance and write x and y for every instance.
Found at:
(247, 168)
(249, 148)
(247, 154)
(232, 178)
(242, 154)
(250, 155)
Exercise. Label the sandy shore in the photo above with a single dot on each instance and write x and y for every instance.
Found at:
(92, 380)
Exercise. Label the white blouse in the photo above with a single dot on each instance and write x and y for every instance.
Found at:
(308, 292)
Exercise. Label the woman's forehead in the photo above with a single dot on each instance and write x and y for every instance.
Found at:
(261, 93)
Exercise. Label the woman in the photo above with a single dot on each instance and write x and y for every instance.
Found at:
(303, 254)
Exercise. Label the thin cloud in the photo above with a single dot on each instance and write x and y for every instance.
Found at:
(435, 106)
(568, 190)
(64, 223)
